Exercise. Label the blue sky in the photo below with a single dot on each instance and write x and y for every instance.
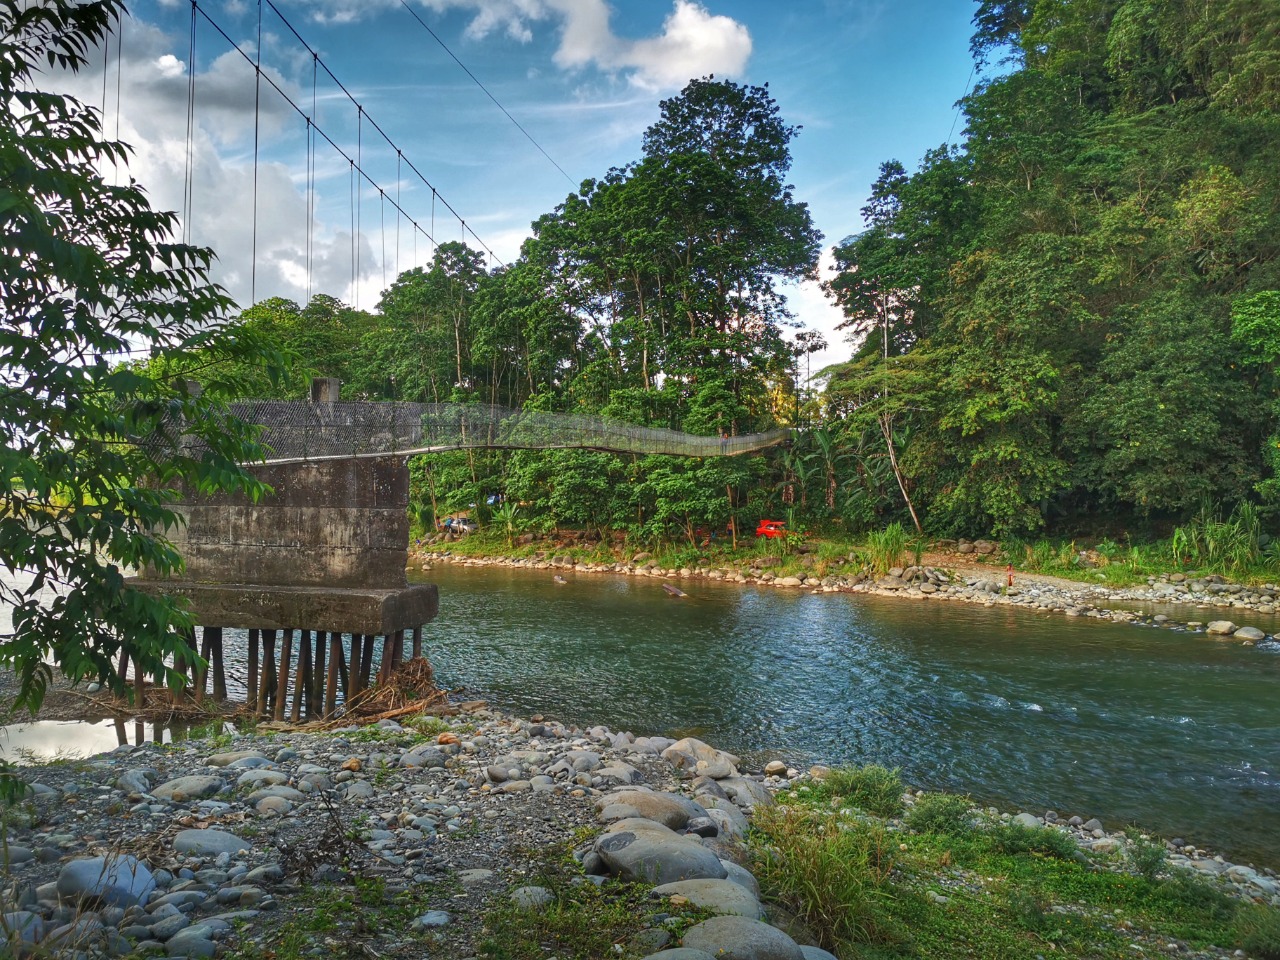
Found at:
(867, 80)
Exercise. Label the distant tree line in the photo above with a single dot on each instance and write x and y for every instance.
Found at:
(1071, 322)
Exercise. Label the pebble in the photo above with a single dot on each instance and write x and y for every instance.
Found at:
(206, 869)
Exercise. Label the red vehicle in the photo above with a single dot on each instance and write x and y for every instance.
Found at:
(772, 529)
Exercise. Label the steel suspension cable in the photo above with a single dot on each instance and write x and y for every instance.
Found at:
(257, 99)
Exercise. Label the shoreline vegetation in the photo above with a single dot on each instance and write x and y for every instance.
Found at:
(887, 564)
(491, 836)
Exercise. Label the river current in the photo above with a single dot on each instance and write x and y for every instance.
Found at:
(1168, 731)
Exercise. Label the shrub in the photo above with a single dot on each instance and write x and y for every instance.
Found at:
(1014, 838)
(885, 547)
(1146, 858)
(873, 788)
(1257, 929)
(835, 881)
(945, 813)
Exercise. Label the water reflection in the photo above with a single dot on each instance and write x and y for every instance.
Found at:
(36, 741)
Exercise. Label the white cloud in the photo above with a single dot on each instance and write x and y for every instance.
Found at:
(693, 41)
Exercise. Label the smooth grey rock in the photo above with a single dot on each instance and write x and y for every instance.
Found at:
(1249, 633)
(686, 755)
(741, 938)
(134, 781)
(208, 842)
(742, 877)
(680, 953)
(669, 809)
(226, 759)
(720, 896)
(432, 919)
(120, 881)
(644, 850)
(189, 788)
(1028, 820)
(261, 778)
(23, 926)
(1221, 628)
(532, 899)
(169, 927)
(192, 942)
(816, 953)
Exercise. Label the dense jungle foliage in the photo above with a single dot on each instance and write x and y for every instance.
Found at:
(1071, 322)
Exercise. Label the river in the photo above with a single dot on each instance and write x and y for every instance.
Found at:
(1170, 731)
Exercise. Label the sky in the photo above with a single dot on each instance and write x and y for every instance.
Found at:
(866, 80)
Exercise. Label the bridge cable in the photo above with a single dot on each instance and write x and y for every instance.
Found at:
(188, 192)
(311, 181)
(257, 99)
(102, 115)
(356, 170)
(355, 290)
(119, 76)
(399, 156)
(332, 76)
(505, 111)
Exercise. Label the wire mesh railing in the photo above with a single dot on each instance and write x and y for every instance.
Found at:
(295, 431)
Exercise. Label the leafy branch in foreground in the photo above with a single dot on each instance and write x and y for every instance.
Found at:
(93, 452)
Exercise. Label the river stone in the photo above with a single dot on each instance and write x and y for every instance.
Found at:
(134, 781)
(747, 793)
(686, 754)
(1028, 820)
(1222, 628)
(648, 851)
(277, 806)
(208, 842)
(532, 899)
(669, 809)
(226, 759)
(1249, 633)
(277, 790)
(741, 938)
(118, 881)
(169, 926)
(680, 953)
(719, 896)
(23, 926)
(188, 788)
(816, 953)
(742, 877)
(192, 942)
(259, 778)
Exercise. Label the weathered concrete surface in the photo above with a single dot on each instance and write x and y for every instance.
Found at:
(331, 523)
(325, 550)
(342, 610)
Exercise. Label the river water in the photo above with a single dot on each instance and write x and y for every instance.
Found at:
(1169, 731)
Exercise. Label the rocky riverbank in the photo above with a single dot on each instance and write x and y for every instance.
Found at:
(962, 582)
(407, 841)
